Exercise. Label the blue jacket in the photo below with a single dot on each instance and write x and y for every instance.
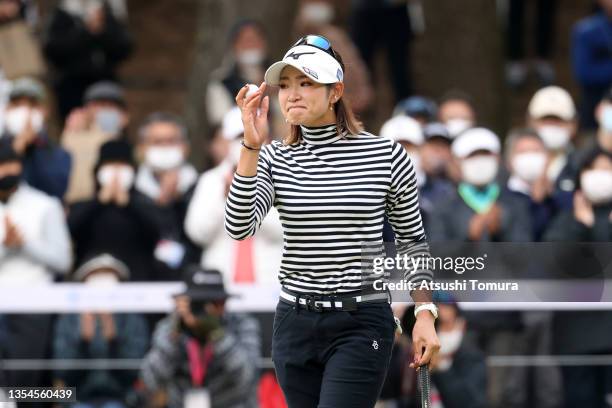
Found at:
(592, 51)
(46, 166)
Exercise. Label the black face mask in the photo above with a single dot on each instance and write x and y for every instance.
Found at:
(8, 183)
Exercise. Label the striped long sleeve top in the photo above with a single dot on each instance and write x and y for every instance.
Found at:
(332, 192)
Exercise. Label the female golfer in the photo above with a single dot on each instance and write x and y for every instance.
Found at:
(332, 184)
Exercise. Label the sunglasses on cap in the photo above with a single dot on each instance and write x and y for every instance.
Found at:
(317, 41)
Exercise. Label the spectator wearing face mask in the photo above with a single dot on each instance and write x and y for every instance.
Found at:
(34, 250)
(436, 157)
(253, 260)
(586, 332)
(100, 335)
(85, 41)
(201, 354)
(119, 219)
(316, 16)
(168, 179)
(592, 60)
(482, 210)
(526, 160)
(245, 64)
(420, 108)
(552, 113)
(456, 111)
(458, 372)
(46, 166)
(603, 113)
(104, 117)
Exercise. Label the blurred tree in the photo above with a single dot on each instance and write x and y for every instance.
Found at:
(463, 48)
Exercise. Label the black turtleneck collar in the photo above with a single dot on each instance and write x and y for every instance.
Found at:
(321, 135)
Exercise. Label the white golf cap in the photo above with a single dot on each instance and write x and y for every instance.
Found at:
(311, 61)
(473, 140)
(232, 126)
(403, 129)
(552, 101)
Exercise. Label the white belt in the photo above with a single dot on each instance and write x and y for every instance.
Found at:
(315, 301)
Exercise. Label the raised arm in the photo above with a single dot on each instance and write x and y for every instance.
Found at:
(252, 192)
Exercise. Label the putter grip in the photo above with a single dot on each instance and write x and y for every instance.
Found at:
(424, 384)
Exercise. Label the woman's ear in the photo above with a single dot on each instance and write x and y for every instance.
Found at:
(338, 91)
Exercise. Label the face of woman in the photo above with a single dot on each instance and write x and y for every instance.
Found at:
(305, 102)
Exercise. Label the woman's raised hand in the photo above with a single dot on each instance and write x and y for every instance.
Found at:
(254, 110)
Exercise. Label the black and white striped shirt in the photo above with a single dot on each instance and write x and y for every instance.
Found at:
(331, 192)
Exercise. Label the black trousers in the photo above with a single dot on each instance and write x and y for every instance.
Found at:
(332, 359)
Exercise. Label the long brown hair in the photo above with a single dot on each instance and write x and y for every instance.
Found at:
(345, 117)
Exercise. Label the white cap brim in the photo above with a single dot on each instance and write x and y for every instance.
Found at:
(403, 129)
(316, 64)
(473, 140)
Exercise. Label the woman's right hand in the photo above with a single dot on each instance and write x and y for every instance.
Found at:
(254, 110)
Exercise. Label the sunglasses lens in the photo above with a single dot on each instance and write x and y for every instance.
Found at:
(314, 40)
(318, 41)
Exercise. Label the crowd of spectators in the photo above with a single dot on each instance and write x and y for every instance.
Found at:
(97, 205)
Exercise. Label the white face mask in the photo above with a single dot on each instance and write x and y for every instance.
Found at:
(597, 186)
(479, 170)
(554, 137)
(108, 121)
(317, 13)
(251, 56)
(457, 125)
(529, 166)
(606, 119)
(107, 174)
(16, 119)
(102, 279)
(161, 158)
(450, 341)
